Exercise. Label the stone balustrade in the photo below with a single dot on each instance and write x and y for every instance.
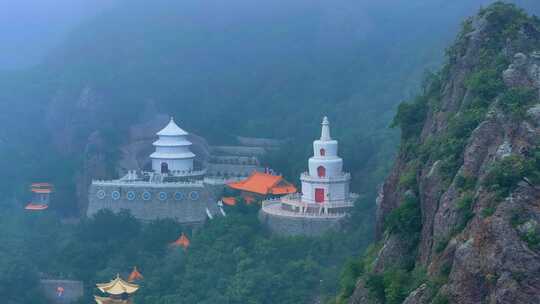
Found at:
(296, 200)
(273, 207)
(138, 183)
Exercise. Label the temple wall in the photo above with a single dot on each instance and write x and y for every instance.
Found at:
(244, 170)
(237, 150)
(332, 191)
(73, 291)
(260, 142)
(293, 226)
(187, 204)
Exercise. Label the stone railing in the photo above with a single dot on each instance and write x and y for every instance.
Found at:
(274, 207)
(296, 200)
(120, 183)
(180, 173)
(213, 180)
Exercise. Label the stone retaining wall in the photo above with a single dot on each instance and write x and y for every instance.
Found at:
(292, 226)
(187, 204)
(232, 169)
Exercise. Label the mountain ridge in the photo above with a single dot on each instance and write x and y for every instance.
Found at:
(457, 218)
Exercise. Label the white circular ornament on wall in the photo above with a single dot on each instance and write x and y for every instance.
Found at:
(115, 195)
(146, 196)
(101, 194)
(162, 196)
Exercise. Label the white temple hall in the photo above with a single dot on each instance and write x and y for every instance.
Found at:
(324, 200)
(172, 151)
(172, 189)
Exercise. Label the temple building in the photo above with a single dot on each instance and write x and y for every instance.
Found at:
(172, 151)
(177, 183)
(325, 198)
(173, 188)
(135, 275)
(41, 196)
(259, 186)
(182, 241)
(117, 291)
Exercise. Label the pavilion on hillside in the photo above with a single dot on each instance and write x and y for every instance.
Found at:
(260, 186)
(118, 291)
(135, 275)
(182, 241)
(41, 196)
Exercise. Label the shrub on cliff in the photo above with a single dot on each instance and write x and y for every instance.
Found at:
(505, 174)
(406, 219)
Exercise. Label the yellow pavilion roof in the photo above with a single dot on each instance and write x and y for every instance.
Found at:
(118, 287)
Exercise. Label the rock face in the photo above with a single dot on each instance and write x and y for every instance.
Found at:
(478, 242)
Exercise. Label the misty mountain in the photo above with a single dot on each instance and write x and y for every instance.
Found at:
(269, 69)
(82, 73)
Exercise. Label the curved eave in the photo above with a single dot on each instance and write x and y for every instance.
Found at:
(36, 207)
(118, 287)
(158, 155)
(178, 132)
(172, 129)
(160, 143)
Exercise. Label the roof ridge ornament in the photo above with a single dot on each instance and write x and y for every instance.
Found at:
(325, 129)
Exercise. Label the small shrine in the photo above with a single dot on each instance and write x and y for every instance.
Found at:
(260, 186)
(41, 196)
(118, 291)
(135, 275)
(182, 241)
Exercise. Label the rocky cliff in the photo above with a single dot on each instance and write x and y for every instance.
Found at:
(459, 216)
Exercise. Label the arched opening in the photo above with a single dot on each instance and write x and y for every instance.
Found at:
(321, 171)
(322, 152)
(164, 168)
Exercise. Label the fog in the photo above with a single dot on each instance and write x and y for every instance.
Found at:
(85, 84)
(31, 28)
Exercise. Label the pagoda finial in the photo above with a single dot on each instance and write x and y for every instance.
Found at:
(325, 130)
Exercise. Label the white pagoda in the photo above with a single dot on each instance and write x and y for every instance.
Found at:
(172, 153)
(325, 196)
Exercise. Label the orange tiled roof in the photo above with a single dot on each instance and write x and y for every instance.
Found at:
(135, 275)
(264, 184)
(230, 201)
(42, 191)
(182, 241)
(36, 207)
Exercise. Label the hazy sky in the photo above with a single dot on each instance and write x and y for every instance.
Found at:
(30, 28)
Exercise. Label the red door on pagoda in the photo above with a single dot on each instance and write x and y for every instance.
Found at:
(319, 195)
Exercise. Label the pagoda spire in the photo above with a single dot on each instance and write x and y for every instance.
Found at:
(325, 130)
